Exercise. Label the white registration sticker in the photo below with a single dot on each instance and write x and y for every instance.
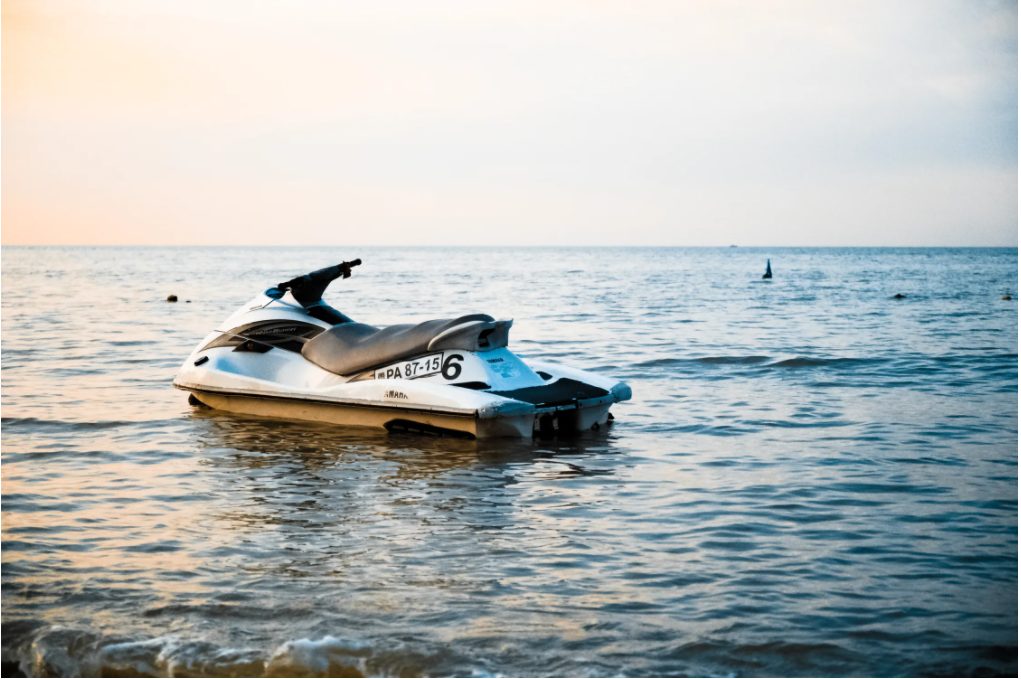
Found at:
(419, 367)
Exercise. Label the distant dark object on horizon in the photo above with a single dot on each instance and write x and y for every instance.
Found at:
(171, 298)
(898, 296)
(769, 271)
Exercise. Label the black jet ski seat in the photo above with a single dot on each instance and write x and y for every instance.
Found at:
(348, 348)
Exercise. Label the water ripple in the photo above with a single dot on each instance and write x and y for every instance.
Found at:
(812, 479)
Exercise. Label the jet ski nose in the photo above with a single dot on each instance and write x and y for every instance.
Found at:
(621, 391)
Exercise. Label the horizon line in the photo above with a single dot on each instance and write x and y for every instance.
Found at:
(495, 245)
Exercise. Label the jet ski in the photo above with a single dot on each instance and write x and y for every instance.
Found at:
(288, 354)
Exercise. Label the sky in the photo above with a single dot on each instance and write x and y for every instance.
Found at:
(509, 123)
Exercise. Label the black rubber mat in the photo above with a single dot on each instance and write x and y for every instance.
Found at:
(562, 391)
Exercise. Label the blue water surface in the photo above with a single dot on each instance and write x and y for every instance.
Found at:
(813, 478)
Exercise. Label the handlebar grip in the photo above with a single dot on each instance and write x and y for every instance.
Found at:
(308, 289)
(345, 267)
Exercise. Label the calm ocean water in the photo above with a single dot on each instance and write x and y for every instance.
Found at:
(813, 478)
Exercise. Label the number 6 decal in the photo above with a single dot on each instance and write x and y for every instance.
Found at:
(452, 366)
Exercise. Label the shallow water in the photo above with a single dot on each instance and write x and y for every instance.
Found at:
(812, 479)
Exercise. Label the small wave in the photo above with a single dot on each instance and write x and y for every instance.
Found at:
(131, 343)
(66, 652)
(662, 362)
(65, 424)
(732, 360)
(809, 362)
(794, 424)
(705, 360)
(796, 362)
(328, 656)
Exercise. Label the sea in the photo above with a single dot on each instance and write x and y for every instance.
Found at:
(817, 474)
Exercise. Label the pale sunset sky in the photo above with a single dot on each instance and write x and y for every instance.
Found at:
(770, 122)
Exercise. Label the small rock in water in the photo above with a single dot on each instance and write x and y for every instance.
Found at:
(171, 298)
(899, 296)
(1006, 298)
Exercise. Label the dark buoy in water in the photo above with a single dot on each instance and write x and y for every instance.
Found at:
(769, 271)
(171, 298)
(1006, 298)
(898, 296)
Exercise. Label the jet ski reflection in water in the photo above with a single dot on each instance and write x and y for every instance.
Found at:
(288, 354)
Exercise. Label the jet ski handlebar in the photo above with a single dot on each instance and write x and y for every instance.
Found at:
(309, 289)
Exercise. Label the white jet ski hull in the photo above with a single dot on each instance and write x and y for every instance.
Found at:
(394, 404)
(389, 418)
